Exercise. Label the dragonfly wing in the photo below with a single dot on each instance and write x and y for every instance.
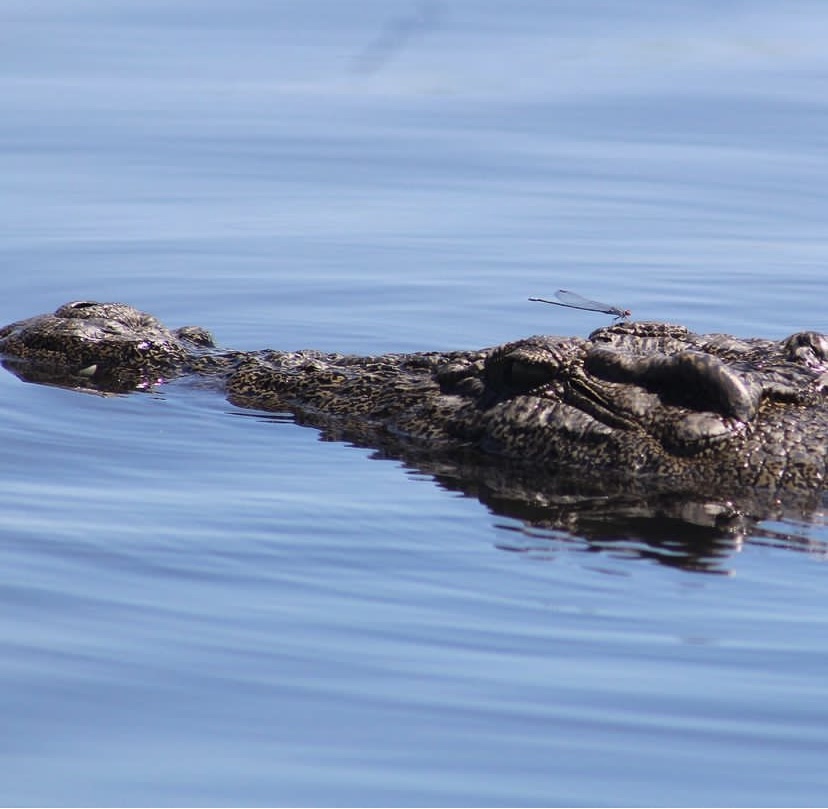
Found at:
(579, 302)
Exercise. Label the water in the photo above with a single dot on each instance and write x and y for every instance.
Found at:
(206, 606)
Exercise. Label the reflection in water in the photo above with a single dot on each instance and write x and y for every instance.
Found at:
(630, 520)
(668, 542)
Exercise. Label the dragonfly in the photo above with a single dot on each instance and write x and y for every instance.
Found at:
(575, 301)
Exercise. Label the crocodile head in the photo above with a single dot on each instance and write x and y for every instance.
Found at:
(652, 400)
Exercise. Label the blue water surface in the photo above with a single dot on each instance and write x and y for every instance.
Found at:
(203, 605)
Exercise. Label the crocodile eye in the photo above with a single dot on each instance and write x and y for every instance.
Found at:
(528, 374)
(523, 371)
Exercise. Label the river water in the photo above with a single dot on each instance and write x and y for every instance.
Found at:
(203, 605)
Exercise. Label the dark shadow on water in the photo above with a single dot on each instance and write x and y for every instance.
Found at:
(626, 520)
(397, 34)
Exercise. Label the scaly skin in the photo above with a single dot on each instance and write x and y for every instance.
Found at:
(645, 408)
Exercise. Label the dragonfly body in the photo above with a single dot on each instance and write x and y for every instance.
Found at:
(573, 300)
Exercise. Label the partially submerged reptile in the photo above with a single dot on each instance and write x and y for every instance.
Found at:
(640, 410)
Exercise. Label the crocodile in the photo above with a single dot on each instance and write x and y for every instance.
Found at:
(638, 412)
